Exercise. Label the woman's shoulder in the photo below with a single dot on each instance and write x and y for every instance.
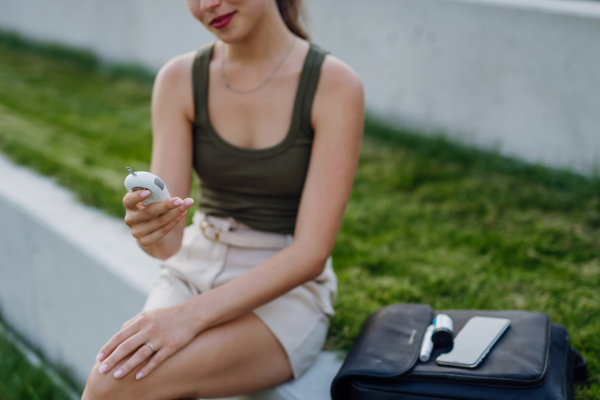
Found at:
(180, 66)
(174, 80)
(338, 85)
(177, 67)
(336, 74)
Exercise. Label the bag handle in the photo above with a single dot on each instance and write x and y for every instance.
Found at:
(579, 365)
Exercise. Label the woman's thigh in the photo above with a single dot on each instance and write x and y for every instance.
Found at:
(238, 357)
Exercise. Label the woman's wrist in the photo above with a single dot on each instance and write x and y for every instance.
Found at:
(196, 314)
(162, 250)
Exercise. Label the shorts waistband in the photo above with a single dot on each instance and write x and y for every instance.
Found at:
(235, 233)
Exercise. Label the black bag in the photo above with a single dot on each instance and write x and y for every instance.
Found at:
(532, 360)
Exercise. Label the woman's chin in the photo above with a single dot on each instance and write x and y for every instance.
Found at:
(230, 34)
(229, 37)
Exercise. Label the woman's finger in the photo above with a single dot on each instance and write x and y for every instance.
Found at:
(127, 323)
(140, 355)
(147, 227)
(132, 198)
(160, 356)
(158, 234)
(122, 350)
(147, 213)
(117, 339)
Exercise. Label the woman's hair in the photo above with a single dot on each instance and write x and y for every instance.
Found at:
(292, 11)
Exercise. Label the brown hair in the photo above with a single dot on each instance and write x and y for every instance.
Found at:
(292, 11)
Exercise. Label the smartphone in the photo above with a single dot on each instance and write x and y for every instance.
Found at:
(474, 341)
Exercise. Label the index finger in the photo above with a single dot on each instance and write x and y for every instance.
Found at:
(132, 198)
(115, 341)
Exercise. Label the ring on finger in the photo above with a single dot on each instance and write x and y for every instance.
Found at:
(152, 347)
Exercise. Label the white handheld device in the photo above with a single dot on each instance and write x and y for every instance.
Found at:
(142, 180)
(427, 345)
(474, 341)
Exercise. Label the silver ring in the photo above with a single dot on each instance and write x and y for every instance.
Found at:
(152, 347)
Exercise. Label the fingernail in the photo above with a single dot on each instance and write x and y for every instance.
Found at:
(145, 193)
(118, 373)
(139, 375)
(188, 202)
(177, 202)
(103, 368)
(100, 356)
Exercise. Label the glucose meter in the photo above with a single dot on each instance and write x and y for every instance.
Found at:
(142, 180)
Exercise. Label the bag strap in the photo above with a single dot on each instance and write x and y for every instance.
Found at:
(579, 365)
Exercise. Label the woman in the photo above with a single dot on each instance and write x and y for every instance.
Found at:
(245, 293)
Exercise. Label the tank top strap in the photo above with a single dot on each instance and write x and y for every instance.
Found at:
(308, 84)
(200, 82)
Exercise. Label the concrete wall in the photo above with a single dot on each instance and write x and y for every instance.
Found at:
(518, 75)
(521, 75)
(149, 32)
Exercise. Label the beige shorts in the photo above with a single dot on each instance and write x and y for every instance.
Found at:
(299, 319)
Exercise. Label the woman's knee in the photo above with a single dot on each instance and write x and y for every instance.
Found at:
(217, 362)
(104, 386)
(100, 386)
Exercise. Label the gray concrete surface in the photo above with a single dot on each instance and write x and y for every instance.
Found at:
(521, 76)
(70, 275)
(313, 385)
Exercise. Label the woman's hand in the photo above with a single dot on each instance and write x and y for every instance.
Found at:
(166, 329)
(149, 224)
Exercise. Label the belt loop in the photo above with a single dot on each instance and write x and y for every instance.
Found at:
(233, 224)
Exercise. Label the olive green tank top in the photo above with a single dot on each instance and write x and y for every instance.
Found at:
(258, 187)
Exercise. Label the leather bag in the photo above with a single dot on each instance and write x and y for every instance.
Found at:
(532, 360)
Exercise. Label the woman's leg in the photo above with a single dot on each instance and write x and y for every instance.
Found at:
(238, 357)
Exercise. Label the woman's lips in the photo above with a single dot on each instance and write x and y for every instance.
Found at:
(222, 21)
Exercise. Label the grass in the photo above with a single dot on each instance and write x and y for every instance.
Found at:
(65, 115)
(20, 380)
(428, 221)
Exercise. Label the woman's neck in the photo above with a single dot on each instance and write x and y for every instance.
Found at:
(269, 39)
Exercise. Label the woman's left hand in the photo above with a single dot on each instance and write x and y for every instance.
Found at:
(166, 329)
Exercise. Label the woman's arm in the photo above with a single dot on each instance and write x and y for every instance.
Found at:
(172, 151)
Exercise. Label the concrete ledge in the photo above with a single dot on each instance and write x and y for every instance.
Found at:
(70, 275)
(313, 385)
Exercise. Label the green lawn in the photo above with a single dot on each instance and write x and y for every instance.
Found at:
(429, 220)
(20, 380)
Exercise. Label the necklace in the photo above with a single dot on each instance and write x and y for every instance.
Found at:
(228, 86)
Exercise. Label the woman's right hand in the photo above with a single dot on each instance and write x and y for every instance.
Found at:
(149, 224)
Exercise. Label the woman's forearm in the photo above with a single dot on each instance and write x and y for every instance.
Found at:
(285, 270)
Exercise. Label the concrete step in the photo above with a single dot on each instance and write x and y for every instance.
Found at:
(314, 384)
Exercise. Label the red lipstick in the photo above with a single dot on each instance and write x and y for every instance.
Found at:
(222, 21)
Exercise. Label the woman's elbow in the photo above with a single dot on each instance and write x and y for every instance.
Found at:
(318, 260)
